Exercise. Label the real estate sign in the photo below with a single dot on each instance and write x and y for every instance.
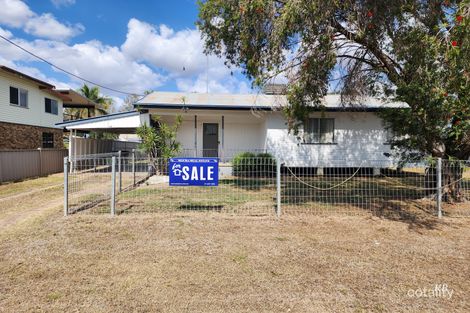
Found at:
(194, 171)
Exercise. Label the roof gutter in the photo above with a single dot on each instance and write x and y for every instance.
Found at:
(97, 118)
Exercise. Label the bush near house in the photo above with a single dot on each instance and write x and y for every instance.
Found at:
(256, 165)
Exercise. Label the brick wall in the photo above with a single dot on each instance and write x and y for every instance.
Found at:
(17, 136)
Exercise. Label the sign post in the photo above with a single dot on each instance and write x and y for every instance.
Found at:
(194, 171)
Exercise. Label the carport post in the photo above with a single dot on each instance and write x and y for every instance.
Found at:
(278, 187)
(66, 186)
(133, 166)
(439, 187)
(120, 170)
(113, 186)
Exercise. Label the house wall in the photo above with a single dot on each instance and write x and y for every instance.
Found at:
(359, 136)
(359, 141)
(35, 113)
(243, 131)
(17, 136)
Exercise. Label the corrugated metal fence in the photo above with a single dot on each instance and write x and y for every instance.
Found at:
(21, 164)
(88, 146)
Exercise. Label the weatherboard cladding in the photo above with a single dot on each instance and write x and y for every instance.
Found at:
(35, 113)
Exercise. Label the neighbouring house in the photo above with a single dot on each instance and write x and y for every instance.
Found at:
(30, 109)
(222, 125)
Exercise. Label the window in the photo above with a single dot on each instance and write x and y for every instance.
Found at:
(47, 140)
(51, 106)
(19, 97)
(319, 130)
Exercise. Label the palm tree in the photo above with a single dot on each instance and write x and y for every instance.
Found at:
(93, 93)
(104, 105)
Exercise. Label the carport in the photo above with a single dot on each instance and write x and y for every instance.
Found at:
(117, 123)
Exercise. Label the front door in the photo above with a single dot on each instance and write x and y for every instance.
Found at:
(210, 140)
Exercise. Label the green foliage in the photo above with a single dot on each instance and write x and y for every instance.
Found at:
(160, 142)
(104, 106)
(248, 164)
(104, 103)
(412, 51)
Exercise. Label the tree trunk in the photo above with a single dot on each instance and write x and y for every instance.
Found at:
(452, 174)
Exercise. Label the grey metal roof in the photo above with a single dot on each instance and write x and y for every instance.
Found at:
(247, 101)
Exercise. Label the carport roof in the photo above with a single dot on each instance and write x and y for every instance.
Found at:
(122, 122)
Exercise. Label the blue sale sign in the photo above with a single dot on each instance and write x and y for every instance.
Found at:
(194, 171)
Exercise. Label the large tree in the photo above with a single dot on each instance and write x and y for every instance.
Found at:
(413, 51)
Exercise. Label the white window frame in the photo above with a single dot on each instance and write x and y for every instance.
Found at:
(320, 140)
(19, 97)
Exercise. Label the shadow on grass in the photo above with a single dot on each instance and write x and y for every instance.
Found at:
(200, 207)
(397, 199)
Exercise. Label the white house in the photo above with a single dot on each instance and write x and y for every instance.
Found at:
(222, 125)
(30, 109)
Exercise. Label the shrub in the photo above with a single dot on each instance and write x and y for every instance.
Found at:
(254, 165)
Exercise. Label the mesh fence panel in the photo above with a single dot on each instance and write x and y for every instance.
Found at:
(248, 186)
(89, 184)
(374, 187)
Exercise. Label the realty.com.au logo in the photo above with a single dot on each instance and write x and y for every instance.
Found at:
(436, 291)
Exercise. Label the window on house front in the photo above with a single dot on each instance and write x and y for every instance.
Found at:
(47, 140)
(319, 130)
(19, 97)
(51, 106)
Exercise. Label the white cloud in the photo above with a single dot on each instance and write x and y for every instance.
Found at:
(47, 26)
(164, 48)
(62, 3)
(181, 55)
(14, 13)
(149, 57)
(223, 84)
(118, 103)
(17, 14)
(104, 64)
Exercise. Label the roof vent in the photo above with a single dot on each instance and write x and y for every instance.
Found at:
(275, 89)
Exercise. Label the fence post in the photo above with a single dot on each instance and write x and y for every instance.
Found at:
(439, 187)
(40, 162)
(66, 186)
(120, 170)
(113, 186)
(278, 187)
(133, 166)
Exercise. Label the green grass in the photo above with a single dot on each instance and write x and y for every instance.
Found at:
(227, 196)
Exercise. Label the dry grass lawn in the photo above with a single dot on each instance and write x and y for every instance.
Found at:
(201, 262)
(217, 262)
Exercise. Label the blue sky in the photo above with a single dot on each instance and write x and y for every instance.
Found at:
(126, 45)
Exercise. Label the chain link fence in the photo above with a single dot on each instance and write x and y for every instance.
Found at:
(123, 184)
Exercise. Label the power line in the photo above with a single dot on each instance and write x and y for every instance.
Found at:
(65, 71)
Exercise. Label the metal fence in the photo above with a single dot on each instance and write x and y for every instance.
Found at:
(264, 186)
(21, 164)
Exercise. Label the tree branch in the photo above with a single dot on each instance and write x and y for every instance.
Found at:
(387, 64)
